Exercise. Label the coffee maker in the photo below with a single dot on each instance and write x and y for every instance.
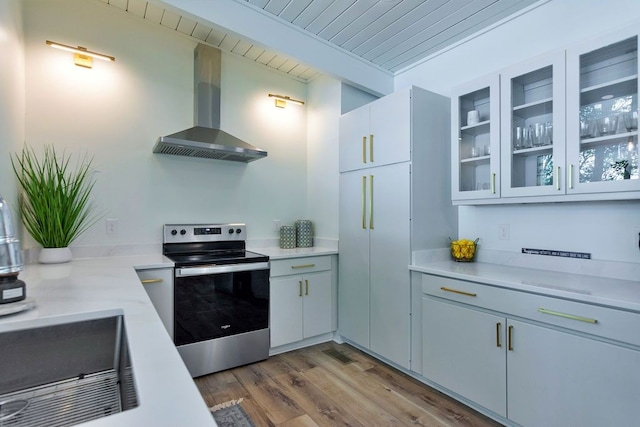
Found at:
(11, 288)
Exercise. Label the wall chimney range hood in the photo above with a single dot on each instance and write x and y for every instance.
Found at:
(206, 139)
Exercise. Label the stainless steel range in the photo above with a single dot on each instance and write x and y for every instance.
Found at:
(221, 296)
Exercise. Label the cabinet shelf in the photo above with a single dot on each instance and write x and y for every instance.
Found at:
(543, 149)
(607, 140)
(476, 129)
(533, 109)
(477, 160)
(620, 87)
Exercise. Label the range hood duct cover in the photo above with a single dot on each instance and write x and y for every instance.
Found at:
(206, 139)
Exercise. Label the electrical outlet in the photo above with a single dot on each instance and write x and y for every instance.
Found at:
(503, 232)
(276, 225)
(112, 226)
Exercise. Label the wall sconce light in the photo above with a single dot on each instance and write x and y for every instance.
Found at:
(281, 100)
(81, 56)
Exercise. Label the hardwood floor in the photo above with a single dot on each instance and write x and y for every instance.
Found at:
(334, 385)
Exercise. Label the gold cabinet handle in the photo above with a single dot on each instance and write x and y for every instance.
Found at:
(300, 288)
(571, 176)
(371, 202)
(510, 338)
(364, 149)
(493, 183)
(498, 327)
(558, 178)
(147, 281)
(303, 266)
(567, 316)
(306, 284)
(364, 202)
(371, 148)
(455, 291)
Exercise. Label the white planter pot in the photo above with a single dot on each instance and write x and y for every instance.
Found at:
(54, 255)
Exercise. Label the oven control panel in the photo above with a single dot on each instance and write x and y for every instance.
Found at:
(187, 233)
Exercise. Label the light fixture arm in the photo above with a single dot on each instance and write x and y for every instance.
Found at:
(286, 98)
(81, 50)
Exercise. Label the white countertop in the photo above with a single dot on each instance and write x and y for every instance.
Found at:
(278, 253)
(167, 395)
(622, 294)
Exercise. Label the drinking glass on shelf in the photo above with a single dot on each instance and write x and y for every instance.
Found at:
(548, 134)
(517, 140)
(584, 129)
(527, 137)
(630, 121)
(538, 140)
(594, 128)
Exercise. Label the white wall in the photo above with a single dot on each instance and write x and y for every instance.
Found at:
(12, 97)
(116, 111)
(605, 229)
(324, 94)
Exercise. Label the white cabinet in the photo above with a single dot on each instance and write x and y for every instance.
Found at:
(376, 134)
(568, 127)
(374, 255)
(301, 299)
(475, 145)
(158, 283)
(602, 115)
(385, 212)
(533, 360)
(463, 350)
(533, 128)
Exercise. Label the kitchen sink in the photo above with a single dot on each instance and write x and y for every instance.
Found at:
(65, 374)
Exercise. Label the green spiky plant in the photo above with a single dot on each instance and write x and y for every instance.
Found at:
(54, 198)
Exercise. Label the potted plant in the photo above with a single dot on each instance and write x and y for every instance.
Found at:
(54, 200)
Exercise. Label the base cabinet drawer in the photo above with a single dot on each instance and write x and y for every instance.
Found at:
(158, 283)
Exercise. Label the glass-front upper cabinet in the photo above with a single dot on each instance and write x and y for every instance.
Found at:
(602, 115)
(475, 149)
(533, 127)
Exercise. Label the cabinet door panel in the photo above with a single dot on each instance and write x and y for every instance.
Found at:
(460, 352)
(602, 90)
(475, 146)
(158, 283)
(317, 313)
(560, 379)
(354, 126)
(353, 287)
(285, 310)
(532, 123)
(391, 129)
(390, 256)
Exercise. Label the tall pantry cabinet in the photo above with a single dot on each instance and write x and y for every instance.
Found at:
(394, 199)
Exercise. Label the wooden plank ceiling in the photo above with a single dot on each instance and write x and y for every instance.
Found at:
(389, 34)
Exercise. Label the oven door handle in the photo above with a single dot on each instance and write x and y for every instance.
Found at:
(219, 269)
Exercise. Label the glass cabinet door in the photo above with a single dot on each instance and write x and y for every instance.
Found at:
(602, 109)
(475, 150)
(532, 127)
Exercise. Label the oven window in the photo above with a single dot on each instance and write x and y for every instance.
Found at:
(219, 305)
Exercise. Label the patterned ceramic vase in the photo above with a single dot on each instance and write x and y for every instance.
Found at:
(304, 233)
(287, 237)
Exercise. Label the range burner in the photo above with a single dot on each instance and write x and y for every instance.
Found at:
(204, 244)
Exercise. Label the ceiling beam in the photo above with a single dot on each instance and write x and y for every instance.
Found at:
(248, 22)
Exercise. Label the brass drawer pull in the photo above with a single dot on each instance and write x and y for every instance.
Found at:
(147, 281)
(364, 149)
(303, 266)
(306, 283)
(300, 288)
(455, 291)
(510, 338)
(498, 327)
(371, 148)
(567, 316)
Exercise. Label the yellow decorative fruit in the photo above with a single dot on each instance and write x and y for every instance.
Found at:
(463, 249)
